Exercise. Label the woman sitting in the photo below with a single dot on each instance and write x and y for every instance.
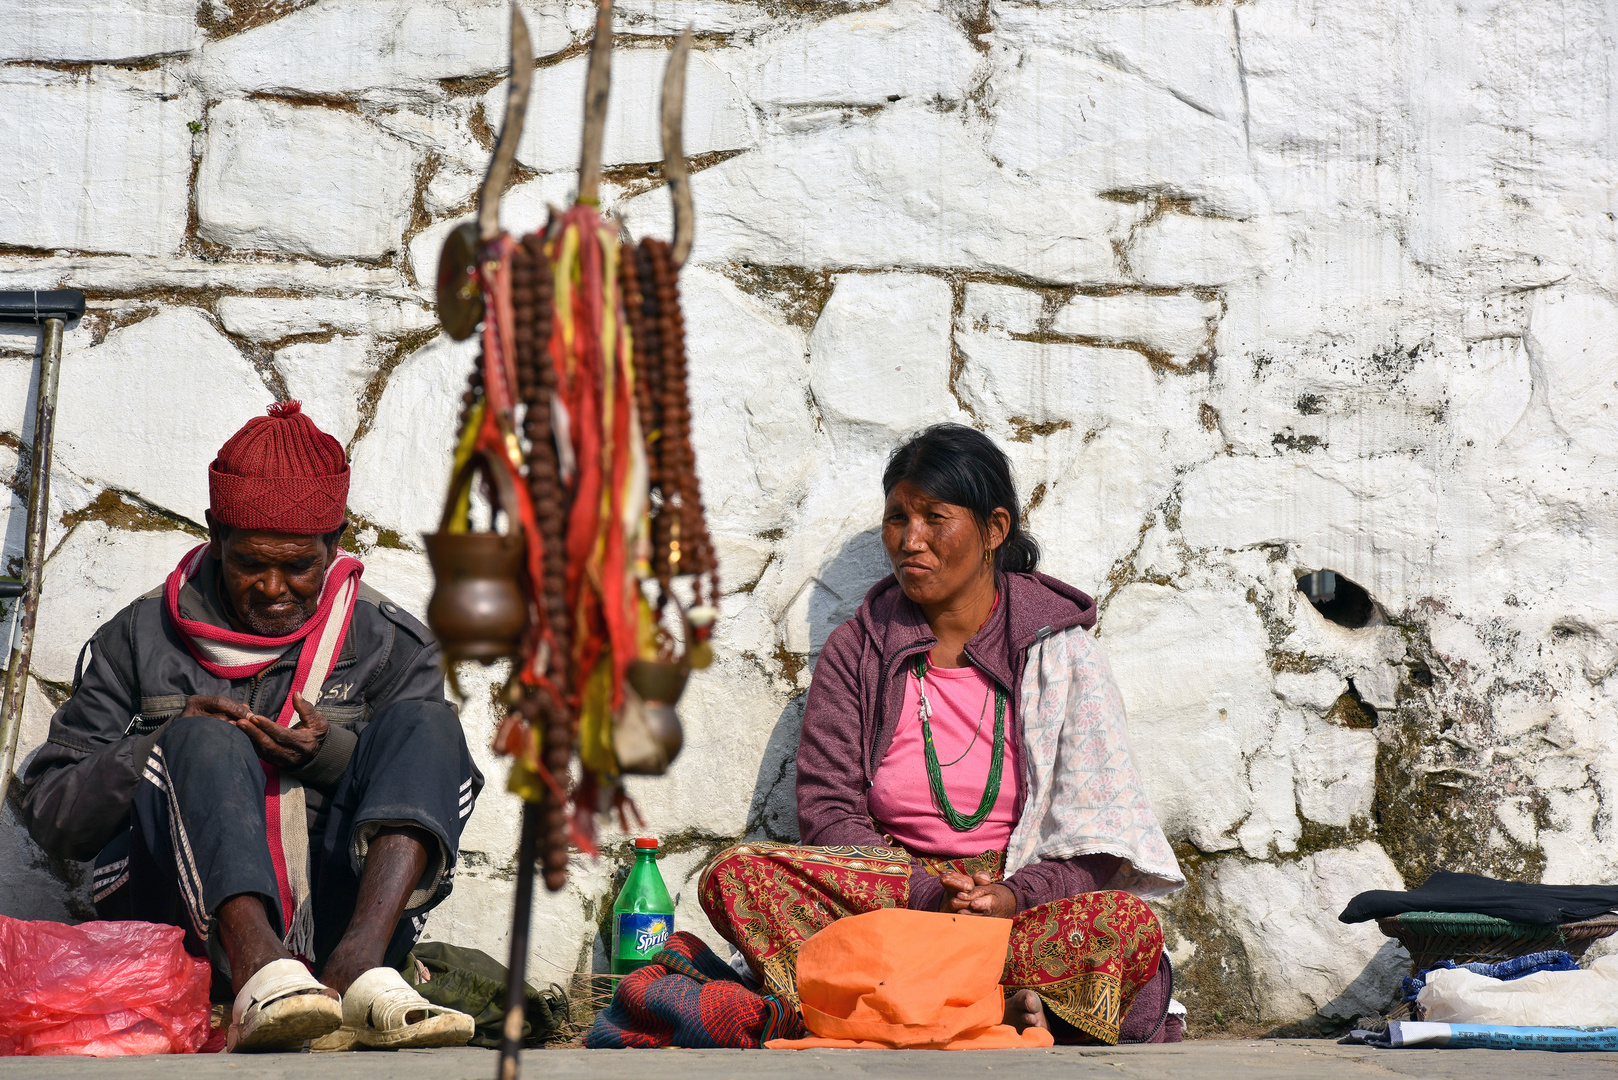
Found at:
(964, 750)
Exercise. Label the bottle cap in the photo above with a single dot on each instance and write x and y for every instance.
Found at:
(646, 843)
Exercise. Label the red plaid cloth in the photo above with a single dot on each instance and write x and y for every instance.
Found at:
(689, 997)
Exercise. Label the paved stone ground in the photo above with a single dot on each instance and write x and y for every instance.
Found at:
(1262, 1059)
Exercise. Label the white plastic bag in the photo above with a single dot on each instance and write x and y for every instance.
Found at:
(1584, 998)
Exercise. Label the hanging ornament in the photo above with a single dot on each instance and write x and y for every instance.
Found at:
(578, 419)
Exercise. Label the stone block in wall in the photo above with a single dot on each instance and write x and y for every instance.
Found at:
(1272, 826)
(659, 18)
(901, 50)
(717, 116)
(1195, 714)
(880, 354)
(1010, 384)
(1315, 690)
(1089, 125)
(18, 385)
(1089, 498)
(451, 190)
(905, 188)
(404, 576)
(351, 46)
(270, 318)
(1177, 325)
(833, 553)
(1306, 78)
(1490, 391)
(97, 29)
(1336, 773)
(1185, 251)
(401, 466)
(1189, 51)
(329, 377)
(1302, 959)
(94, 164)
(10, 458)
(841, 575)
(988, 306)
(146, 410)
(749, 386)
(1573, 336)
(305, 180)
(89, 578)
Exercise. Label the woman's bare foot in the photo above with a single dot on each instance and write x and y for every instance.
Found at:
(1024, 1010)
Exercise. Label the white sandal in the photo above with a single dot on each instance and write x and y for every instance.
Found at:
(375, 1014)
(280, 1008)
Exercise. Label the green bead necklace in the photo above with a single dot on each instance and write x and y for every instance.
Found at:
(935, 772)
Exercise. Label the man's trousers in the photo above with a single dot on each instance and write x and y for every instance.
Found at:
(197, 832)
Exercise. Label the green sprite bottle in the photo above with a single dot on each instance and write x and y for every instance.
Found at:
(643, 916)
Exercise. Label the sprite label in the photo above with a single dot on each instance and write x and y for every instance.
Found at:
(640, 936)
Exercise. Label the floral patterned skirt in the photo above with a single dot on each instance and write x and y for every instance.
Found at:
(1086, 956)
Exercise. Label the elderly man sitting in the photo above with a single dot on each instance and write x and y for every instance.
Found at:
(260, 751)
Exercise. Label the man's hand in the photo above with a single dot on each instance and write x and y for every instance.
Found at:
(286, 747)
(215, 705)
(977, 895)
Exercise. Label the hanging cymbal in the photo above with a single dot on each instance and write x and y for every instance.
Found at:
(460, 298)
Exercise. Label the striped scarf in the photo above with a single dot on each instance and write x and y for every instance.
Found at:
(233, 655)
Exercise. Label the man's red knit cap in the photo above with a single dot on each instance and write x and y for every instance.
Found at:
(280, 473)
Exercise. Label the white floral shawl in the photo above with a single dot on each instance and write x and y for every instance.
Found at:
(1082, 795)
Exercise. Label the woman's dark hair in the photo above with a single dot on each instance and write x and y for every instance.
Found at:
(961, 466)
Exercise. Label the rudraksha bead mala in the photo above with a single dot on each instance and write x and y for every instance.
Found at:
(532, 289)
(680, 540)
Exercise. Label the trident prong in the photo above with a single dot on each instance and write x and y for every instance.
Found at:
(674, 166)
(596, 85)
(505, 150)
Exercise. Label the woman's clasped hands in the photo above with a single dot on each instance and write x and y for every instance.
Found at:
(979, 894)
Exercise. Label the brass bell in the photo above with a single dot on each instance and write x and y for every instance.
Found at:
(646, 732)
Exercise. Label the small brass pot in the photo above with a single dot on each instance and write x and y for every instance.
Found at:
(478, 610)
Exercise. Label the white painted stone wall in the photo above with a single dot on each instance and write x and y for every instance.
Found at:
(1246, 289)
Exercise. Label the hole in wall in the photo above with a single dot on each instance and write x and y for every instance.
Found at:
(1420, 673)
(1353, 711)
(1338, 599)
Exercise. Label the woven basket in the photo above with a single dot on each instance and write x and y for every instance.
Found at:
(1431, 936)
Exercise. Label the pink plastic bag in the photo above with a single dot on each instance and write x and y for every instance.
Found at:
(100, 989)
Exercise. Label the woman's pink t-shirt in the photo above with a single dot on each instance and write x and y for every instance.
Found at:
(901, 799)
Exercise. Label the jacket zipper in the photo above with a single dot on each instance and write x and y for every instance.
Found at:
(258, 680)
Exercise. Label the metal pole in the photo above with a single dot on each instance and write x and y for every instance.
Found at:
(517, 965)
(50, 369)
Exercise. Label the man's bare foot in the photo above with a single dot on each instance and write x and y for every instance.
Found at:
(341, 970)
(345, 966)
(250, 944)
(394, 862)
(1024, 1010)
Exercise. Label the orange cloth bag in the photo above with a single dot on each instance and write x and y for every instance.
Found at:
(916, 980)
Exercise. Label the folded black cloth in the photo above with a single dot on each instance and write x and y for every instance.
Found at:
(1473, 893)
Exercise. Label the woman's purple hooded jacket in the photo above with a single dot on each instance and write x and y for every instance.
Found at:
(853, 711)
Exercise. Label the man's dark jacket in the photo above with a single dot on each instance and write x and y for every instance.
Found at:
(136, 674)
